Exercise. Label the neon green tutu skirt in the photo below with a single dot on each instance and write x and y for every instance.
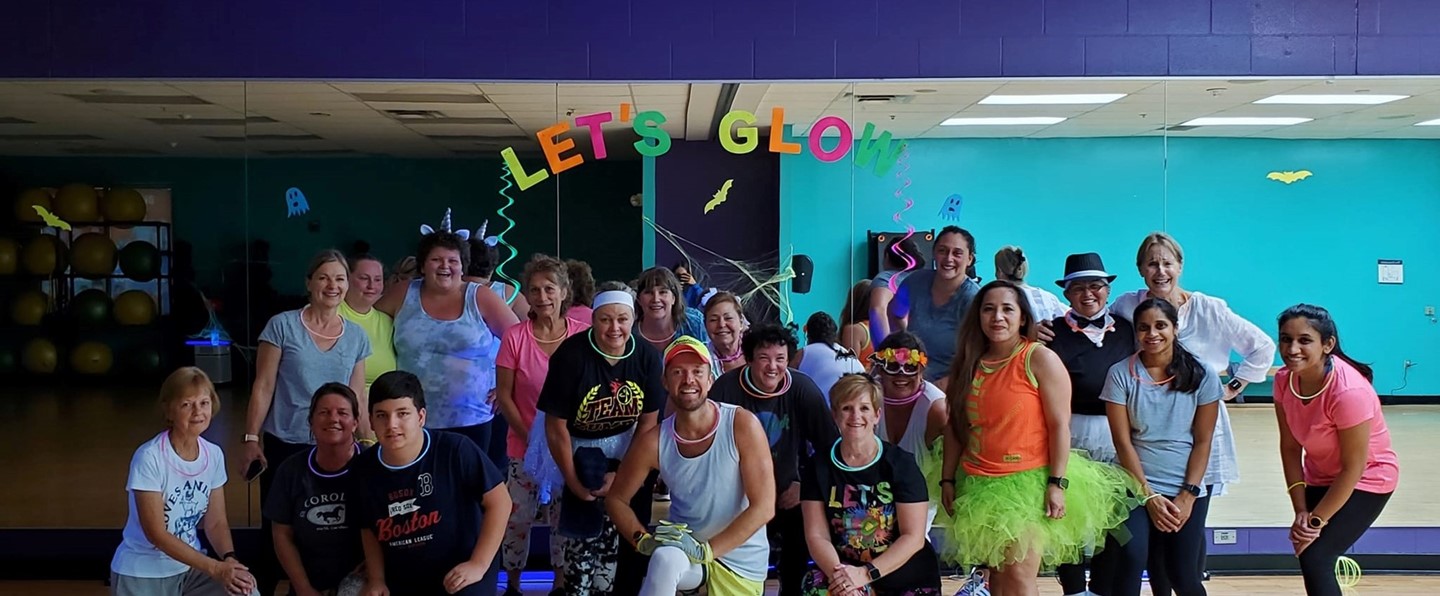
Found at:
(1001, 519)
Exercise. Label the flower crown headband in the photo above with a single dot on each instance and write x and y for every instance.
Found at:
(463, 234)
(903, 356)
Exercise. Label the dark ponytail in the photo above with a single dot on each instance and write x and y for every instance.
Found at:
(1323, 324)
(1184, 367)
(820, 328)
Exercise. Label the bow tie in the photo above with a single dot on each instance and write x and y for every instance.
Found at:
(1082, 322)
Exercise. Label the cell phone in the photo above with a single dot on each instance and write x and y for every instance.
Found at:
(256, 468)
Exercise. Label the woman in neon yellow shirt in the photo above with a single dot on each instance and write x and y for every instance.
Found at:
(367, 279)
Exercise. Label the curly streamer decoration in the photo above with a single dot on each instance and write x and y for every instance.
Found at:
(506, 176)
(903, 175)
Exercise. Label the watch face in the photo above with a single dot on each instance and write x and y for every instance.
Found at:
(1235, 384)
(1315, 522)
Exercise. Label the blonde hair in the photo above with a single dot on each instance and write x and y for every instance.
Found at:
(1161, 239)
(854, 386)
(182, 383)
(1010, 262)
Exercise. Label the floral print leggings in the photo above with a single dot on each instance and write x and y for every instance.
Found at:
(524, 505)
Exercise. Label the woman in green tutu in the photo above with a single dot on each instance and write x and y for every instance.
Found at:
(1017, 498)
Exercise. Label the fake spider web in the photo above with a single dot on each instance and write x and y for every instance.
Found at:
(756, 282)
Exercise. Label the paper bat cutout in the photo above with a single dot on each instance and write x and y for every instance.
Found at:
(295, 203)
(950, 209)
(1289, 177)
(50, 218)
(721, 196)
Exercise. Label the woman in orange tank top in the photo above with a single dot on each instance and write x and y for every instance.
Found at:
(1016, 497)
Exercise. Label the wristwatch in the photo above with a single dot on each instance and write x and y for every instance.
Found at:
(1192, 489)
(1059, 481)
(229, 555)
(1236, 384)
(249, 438)
(1315, 522)
(872, 571)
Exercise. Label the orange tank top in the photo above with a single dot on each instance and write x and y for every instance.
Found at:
(1007, 418)
(865, 352)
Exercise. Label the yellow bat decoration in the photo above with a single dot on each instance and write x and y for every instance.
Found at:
(50, 218)
(1289, 177)
(720, 196)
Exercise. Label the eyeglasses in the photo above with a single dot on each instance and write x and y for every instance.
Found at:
(891, 367)
(1094, 287)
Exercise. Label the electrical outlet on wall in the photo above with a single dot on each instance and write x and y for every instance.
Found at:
(1429, 311)
(1225, 536)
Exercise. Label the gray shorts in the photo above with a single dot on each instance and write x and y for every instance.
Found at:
(191, 583)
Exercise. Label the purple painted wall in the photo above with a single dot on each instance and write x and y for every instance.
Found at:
(716, 39)
(745, 227)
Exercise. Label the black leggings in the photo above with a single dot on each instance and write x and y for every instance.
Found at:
(1317, 562)
(1175, 552)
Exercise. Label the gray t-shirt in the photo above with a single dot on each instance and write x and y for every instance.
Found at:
(937, 325)
(303, 369)
(1160, 420)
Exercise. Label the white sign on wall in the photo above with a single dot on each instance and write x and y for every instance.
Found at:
(1392, 271)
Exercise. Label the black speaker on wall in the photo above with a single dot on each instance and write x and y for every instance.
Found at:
(804, 271)
(879, 241)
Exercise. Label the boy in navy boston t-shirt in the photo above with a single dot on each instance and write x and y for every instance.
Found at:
(432, 507)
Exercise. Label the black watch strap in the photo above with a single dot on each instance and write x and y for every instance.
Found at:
(229, 555)
(873, 571)
(1059, 481)
(1192, 489)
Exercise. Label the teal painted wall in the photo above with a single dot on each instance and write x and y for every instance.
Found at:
(220, 204)
(1259, 244)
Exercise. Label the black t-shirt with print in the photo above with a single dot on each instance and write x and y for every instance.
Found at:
(426, 515)
(595, 398)
(861, 509)
(795, 422)
(316, 508)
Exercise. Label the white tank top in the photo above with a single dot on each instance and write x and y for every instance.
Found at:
(913, 439)
(706, 493)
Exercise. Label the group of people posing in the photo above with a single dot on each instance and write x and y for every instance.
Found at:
(407, 436)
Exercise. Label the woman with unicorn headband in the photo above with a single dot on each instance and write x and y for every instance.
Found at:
(447, 333)
(484, 262)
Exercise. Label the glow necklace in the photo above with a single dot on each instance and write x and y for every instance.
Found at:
(1329, 376)
(591, 335)
(204, 457)
(380, 455)
(749, 386)
(317, 333)
(657, 341)
(1136, 375)
(563, 336)
(840, 463)
(904, 401)
(736, 355)
(675, 429)
(315, 469)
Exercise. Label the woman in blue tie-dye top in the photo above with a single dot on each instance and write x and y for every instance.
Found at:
(444, 331)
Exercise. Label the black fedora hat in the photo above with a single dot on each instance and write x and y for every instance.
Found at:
(1085, 265)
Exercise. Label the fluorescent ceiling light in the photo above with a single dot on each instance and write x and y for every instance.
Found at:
(1228, 121)
(1365, 99)
(1058, 99)
(1435, 122)
(1001, 121)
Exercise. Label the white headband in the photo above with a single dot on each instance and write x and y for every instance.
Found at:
(612, 297)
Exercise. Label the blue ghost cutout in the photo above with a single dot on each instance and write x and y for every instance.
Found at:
(295, 202)
(950, 209)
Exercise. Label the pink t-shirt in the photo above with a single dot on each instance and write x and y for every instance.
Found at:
(1316, 423)
(580, 312)
(521, 353)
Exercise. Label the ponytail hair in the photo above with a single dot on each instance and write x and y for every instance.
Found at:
(820, 328)
(1184, 367)
(1323, 324)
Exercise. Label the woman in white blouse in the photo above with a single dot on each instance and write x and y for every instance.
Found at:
(1209, 330)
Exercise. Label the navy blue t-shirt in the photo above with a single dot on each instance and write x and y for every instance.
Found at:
(318, 512)
(426, 515)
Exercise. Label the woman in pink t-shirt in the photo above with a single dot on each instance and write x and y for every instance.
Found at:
(521, 365)
(1335, 448)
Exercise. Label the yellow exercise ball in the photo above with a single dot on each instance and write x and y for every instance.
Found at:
(91, 358)
(44, 255)
(25, 204)
(134, 307)
(122, 205)
(9, 256)
(29, 307)
(92, 255)
(77, 202)
(40, 356)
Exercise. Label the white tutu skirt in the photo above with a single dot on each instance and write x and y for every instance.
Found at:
(540, 465)
(1091, 434)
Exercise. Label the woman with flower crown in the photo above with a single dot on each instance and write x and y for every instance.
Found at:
(913, 412)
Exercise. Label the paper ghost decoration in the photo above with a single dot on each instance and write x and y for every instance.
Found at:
(295, 203)
(1289, 177)
(950, 209)
(444, 227)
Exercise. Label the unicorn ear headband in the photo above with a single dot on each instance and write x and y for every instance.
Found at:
(489, 240)
(445, 227)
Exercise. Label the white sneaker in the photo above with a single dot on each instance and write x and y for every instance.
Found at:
(974, 585)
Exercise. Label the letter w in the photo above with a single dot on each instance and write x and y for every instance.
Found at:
(869, 150)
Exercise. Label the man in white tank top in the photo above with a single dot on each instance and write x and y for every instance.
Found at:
(716, 460)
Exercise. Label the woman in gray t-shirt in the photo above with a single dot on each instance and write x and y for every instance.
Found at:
(1162, 404)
